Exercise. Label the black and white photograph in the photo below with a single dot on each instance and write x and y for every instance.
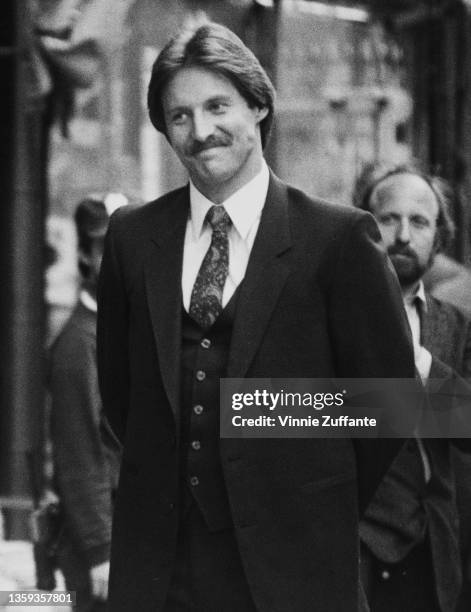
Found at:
(235, 308)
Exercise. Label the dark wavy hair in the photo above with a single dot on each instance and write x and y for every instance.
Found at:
(214, 47)
(374, 174)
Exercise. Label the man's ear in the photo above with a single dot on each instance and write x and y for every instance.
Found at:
(83, 257)
(437, 242)
(261, 113)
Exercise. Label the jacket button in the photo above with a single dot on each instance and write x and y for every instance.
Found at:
(206, 343)
(196, 445)
(385, 575)
(200, 375)
(194, 481)
(198, 409)
(169, 508)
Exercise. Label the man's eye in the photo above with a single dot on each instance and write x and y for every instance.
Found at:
(218, 108)
(419, 222)
(179, 118)
(387, 220)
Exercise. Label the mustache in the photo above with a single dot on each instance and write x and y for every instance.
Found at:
(405, 250)
(223, 140)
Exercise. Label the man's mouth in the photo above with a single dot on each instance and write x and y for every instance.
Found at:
(402, 256)
(402, 253)
(207, 150)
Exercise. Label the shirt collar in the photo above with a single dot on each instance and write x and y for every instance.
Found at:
(88, 300)
(243, 207)
(418, 294)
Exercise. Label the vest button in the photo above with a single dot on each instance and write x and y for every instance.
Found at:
(194, 481)
(200, 375)
(197, 409)
(205, 343)
(385, 575)
(196, 445)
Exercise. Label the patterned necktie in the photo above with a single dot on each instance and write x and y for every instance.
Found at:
(206, 297)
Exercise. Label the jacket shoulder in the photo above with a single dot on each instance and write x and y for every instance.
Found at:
(445, 311)
(140, 216)
(324, 210)
(331, 221)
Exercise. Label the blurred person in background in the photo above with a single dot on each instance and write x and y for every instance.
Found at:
(85, 453)
(410, 535)
(236, 274)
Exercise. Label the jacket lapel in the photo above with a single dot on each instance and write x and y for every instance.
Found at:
(163, 284)
(264, 279)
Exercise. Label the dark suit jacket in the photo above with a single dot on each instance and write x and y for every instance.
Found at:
(446, 333)
(85, 470)
(318, 300)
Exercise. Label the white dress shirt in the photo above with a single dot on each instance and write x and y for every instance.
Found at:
(423, 358)
(88, 300)
(244, 207)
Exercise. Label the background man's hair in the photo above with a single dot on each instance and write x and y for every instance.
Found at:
(214, 47)
(374, 174)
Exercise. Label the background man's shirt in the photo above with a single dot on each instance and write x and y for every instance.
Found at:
(412, 304)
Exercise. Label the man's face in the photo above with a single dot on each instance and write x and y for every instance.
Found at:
(213, 131)
(406, 210)
(93, 260)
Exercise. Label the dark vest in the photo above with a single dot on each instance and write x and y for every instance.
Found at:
(204, 361)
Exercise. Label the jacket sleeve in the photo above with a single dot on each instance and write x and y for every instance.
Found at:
(454, 389)
(82, 471)
(370, 333)
(112, 336)
(462, 466)
(466, 367)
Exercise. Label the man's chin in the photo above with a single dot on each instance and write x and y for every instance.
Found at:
(213, 168)
(408, 273)
(208, 163)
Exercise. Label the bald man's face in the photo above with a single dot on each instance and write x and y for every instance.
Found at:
(406, 210)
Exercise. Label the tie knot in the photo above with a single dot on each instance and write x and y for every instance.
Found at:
(218, 218)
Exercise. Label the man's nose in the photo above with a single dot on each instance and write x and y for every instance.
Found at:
(202, 126)
(403, 231)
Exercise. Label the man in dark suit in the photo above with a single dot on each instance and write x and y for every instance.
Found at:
(239, 275)
(410, 534)
(85, 469)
